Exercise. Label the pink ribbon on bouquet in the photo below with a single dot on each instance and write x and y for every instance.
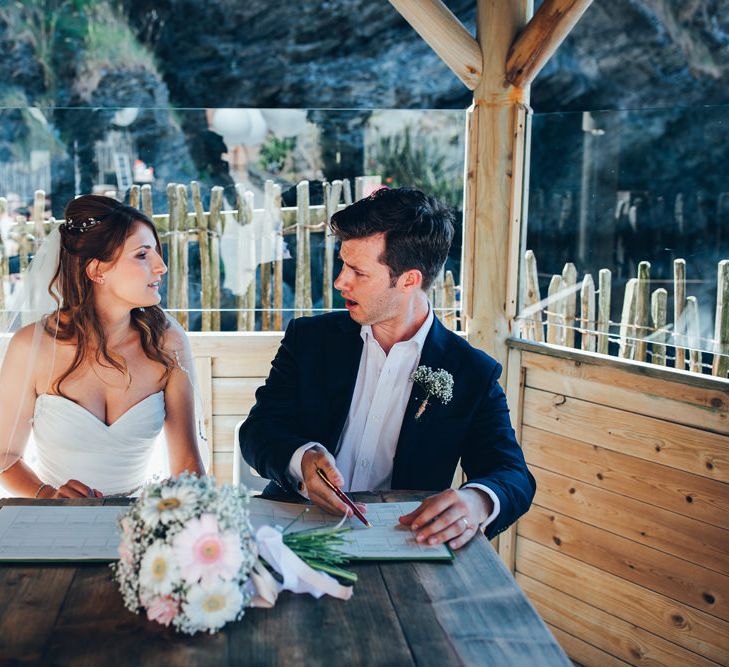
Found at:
(298, 577)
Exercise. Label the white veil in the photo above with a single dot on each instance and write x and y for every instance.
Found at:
(30, 301)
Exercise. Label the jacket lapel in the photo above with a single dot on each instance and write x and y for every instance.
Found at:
(436, 354)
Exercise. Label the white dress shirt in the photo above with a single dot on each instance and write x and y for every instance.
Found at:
(366, 447)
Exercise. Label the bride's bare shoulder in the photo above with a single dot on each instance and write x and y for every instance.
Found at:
(30, 343)
(175, 338)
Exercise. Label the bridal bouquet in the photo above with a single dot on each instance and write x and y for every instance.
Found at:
(189, 558)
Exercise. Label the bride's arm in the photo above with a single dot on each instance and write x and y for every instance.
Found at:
(180, 423)
(17, 403)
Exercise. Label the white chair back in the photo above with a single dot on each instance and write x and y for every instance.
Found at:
(242, 472)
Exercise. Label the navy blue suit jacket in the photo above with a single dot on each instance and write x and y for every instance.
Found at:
(309, 390)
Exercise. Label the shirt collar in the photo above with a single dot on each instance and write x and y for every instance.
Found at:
(418, 338)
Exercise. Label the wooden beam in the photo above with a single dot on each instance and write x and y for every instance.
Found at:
(542, 36)
(445, 34)
(496, 185)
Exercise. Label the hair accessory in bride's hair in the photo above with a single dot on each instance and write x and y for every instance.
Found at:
(80, 226)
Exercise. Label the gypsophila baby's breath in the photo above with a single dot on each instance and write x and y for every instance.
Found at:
(436, 384)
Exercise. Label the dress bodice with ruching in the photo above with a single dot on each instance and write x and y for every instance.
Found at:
(72, 443)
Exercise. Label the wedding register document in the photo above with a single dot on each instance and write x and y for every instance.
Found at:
(62, 533)
(386, 540)
(56, 533)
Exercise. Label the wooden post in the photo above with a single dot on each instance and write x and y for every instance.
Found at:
(659, 300)
(215, 224)
(693, 328)
(347, 191)
(495, 187)
(303, 268)
(569, 302)
(180, 240)
(134, 196)
(172, 258)
(247, 314)
(720, 367)
(331, 202)
(39, 208)
(204, 245)
(532, 297)
(627, 319)
(587, 313)
(277, 267)
(445, 34)
(450, 318)
(555, 317)
(679, 304)
(147, 200)
(267, 266)
(642, 310)
(603, 311)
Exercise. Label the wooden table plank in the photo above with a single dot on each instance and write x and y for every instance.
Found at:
(468, 612)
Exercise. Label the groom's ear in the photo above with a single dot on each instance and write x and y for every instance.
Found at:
(412, 279)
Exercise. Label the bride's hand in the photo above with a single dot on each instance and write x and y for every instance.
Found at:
(75, 489)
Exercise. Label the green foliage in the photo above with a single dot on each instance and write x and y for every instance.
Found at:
(274, 152)
(420, 163)
(110, 41)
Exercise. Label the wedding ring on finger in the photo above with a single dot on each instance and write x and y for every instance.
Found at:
(466, 525)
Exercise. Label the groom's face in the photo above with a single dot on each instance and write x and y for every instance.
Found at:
(364, 281)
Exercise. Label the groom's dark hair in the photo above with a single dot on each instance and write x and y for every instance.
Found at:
(418, 229)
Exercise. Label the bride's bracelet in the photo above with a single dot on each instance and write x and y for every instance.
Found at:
(40, 488)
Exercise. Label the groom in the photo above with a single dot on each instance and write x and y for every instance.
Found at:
(340, 396)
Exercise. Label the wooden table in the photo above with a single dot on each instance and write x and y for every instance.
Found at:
(468, 612)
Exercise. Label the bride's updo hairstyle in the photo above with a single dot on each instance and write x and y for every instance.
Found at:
(96, 228)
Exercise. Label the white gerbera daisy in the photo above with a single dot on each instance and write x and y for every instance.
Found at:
(158, 572)
(174, 504)
(210, 606)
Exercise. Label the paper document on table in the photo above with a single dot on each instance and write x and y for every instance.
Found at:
(59, 533)
(386, 540)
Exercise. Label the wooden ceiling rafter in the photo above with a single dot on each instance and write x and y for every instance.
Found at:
(446, 35)
(540, 38)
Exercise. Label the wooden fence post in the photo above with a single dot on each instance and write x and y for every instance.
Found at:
(659, 300)
(147, 200)
(172, 258)
(642, 310)
(331, 202)
(555, 318)
(215, 225)
(603, 314)
(720, 367)
(347, 191)
(569, 276)
(679, 304)
(303, 254)
(627, 319)
(587, 313)
(204, 245)
(39, 207)
(693, 328)
(180, 240)
(267, 266)
(277, 266)
(449, 301)
(532, 297)
(246, 320)
(134, 196)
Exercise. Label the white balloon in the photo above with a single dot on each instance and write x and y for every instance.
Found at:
(125, 116)
(240, 126)
(285, 122)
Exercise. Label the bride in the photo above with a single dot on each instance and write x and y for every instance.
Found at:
(98, 378)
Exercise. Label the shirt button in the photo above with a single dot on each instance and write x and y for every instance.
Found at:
(364, 463)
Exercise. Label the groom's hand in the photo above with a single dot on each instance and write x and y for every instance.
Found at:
(319, 493)
(451, 516)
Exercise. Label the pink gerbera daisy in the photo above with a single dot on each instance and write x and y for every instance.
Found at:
(205, 553)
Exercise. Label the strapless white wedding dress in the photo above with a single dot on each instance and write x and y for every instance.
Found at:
(72, 443)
